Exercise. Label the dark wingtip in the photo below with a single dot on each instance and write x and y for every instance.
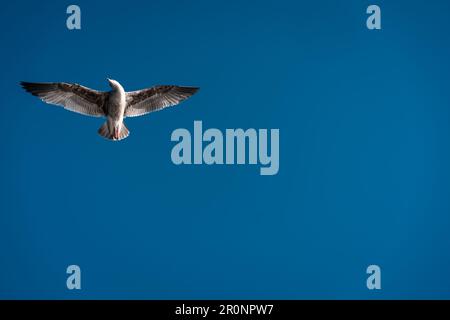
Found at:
(191, 90)
(28, 87)
(31, 87)
(25, 85)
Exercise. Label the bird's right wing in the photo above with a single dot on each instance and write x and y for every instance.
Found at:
(156, 98)
(71, 96)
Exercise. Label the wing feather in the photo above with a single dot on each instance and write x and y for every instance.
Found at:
(71, 96)
(156, 98)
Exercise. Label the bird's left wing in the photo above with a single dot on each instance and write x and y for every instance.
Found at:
(153, 99)
(71, 96)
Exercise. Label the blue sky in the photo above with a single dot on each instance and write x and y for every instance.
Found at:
(364, 152)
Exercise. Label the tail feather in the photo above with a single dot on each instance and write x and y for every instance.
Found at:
(124, 132)
(106, 133)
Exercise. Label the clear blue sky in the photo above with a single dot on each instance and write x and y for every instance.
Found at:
(364, 151)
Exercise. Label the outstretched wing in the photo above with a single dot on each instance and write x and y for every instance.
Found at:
(71, 96)
(156, 98)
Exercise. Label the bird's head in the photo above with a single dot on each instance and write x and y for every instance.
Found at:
(112, 83)
(115, 85)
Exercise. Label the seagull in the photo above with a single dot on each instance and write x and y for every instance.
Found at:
(115, 105)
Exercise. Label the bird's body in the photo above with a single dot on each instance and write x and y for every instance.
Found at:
(115, 112)
(115, 105)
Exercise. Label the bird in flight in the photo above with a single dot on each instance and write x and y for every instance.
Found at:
(115, 105)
